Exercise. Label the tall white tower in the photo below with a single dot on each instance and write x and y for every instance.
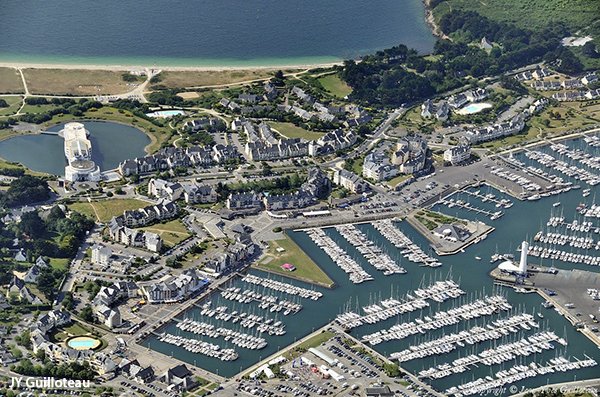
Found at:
(523, 262)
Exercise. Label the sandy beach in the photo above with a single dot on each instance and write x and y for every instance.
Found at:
(116, 68)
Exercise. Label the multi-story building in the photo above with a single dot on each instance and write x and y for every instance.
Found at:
(457, 154)
(350, 181)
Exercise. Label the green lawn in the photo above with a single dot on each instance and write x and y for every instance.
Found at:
(306, 268)
(14, 103)
(60, 263)
(397, 180)
(334, 85)
(289, 130)
(35, 109)
(74, 329)
(104, 210)
(531, 14)
(310, 342)
(172, 232)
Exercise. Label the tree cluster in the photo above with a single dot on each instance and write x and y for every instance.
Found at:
(399, 75)
(67, 370)
(25, 190)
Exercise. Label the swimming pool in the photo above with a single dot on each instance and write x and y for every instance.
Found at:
(165, 113)
(84, 343)
(474, 108)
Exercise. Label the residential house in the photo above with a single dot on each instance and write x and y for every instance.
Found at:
(194, 193)
(457, 154)
(172, 289)
(317, 183)
(515, 125)
(350, 181)
(244, 201)
(332, 142)
(457, 101)
(107, 316)
(431, 110)
(377, 166)
(298, 199)
(160, 188)
(101, 255)
(178, 378)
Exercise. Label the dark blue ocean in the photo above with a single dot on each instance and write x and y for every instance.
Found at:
(207, 32)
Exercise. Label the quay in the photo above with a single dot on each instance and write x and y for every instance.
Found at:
(566, 290)
(443, 247)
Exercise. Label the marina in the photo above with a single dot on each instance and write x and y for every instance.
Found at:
(385, 309)
(524, 347)
(270, 302)
(341, 258)
(518, 373)
(502, 203)
(366, 311)
(199, 347)
(374, 255)
(245, 319)
(481, 307)
(451, 202)
(409, 250)
(282, 287)
(477, 334)
(237, 338)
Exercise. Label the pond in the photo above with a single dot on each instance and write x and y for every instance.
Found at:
(111, 143)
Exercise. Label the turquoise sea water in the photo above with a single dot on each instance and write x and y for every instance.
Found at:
(207, 32)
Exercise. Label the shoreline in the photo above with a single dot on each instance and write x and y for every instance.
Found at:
(430, 21)
(165, 68)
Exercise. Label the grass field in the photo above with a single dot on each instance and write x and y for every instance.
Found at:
(172, 232)
(334, 85)
(289, 130)
(35, 109)
(14, 103)
(104, 210)
(157, 134)
(74, 329)
(532, 14)
(10, 81)
(59, 263)
(310, 342)
(181, 79)
(306, 268)
(397, 180)
(75, 82)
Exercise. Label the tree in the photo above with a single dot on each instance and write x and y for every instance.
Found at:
(54, 216)
(87, 314)
(266, 168)
(32, 225)
(26, 190)
(3, 104)
(47, 283)
(589, 50)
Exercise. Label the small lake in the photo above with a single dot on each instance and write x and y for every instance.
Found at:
(111, 144)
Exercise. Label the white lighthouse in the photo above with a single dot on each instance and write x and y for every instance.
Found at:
(512, 267)
(523, 262)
